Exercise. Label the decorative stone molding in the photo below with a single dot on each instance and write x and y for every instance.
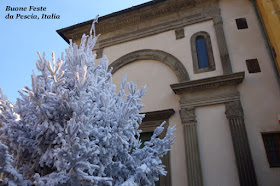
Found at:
(205, 98)
(133, 15)
(208, 83)
(158, 55)
(180, 33)
(148, 15)
(210, 55)
(187, 115)
(151, 30)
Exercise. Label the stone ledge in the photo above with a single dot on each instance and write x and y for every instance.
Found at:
(158, 115)
(208, 83)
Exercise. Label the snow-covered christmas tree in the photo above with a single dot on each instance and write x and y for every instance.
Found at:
(73, 129)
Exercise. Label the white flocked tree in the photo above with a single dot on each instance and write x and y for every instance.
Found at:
(71, 128)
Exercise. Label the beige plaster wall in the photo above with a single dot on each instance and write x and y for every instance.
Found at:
(158, 76)
(259, 91)
(215, 145)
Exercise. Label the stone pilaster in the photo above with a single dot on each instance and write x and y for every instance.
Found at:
(218, 24)
(99, 53)
(244, 162)
(194, 171)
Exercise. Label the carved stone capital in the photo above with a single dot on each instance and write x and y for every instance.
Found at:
(234, 109)
(188, 115)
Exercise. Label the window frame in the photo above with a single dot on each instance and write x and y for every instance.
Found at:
(211, 62)
(267, 149)
(151, 121)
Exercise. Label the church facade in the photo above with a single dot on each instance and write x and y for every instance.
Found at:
(207, 70)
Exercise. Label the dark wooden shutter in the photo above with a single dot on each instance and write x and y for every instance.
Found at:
(272, 147)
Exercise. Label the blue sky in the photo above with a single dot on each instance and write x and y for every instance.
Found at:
(22, 38)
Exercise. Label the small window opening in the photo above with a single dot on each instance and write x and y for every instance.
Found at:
(241, 23)
(202, 53)
(253, 66)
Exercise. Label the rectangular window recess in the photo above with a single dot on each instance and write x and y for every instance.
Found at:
(272, 148)
(253, 65)
(241, 23)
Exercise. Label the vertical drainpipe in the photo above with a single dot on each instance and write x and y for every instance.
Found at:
(266, 42)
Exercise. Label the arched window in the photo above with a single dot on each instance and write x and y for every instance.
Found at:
(202, 54)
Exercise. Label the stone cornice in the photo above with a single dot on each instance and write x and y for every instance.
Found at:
(158, 115)
(87, 24)
(129, 17)
(145, 16)
(208, 83)
(148, 15)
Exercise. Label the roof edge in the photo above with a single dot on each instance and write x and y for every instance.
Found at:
(133, 8)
